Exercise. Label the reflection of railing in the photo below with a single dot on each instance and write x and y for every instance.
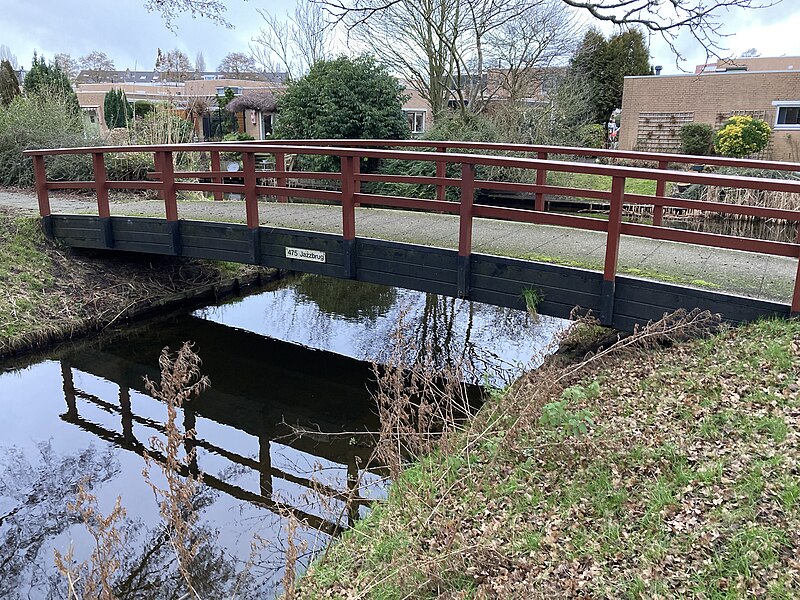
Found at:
(350, 153)
(127, 440)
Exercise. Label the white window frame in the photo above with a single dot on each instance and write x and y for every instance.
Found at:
(779, 104)
(414, 111)
(237, 90)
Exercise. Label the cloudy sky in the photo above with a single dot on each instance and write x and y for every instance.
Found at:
(130, 35)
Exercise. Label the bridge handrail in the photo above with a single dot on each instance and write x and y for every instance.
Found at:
(350, 193)
(761, 183)
(446, 145)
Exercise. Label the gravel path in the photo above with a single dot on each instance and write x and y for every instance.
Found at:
(744, 273)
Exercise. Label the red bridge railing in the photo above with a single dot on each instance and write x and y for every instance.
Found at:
(255, 182)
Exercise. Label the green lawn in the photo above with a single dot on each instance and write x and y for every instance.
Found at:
(599, 182)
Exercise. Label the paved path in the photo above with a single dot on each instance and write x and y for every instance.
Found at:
(744, 273)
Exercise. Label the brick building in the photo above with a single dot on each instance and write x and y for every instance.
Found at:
(655, 107)
(254, 105)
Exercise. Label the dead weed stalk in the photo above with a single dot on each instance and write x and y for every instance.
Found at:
(94, 577)
(180, 381)
(418, 401)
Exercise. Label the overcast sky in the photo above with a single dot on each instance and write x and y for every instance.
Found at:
(127, 33)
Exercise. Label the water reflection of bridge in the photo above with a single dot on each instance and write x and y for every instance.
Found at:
(258, 387)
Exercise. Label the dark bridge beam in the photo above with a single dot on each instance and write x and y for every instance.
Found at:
(623, 302)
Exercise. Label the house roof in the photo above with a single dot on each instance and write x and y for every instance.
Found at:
(156, 77)
(262, 100)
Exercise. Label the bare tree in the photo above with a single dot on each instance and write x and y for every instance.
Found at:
(173, 65)
(237, 62)
(294, 43)
(199, 63)
(416, 39)
(6, 54)
(170, 9)
(96, 61)
(522, 52)
(702, 19)
(67, 64)
(447, 49)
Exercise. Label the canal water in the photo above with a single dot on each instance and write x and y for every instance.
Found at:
(283, 430)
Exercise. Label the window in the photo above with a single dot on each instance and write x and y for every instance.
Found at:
(266, 125)
(416, 120)
(237, 91)
(456, 104)
(787, 114)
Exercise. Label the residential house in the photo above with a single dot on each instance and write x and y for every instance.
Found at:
(417, 110)
(195, 95)
(655, 107)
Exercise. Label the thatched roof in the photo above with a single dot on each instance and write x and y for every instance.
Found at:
(262, 100)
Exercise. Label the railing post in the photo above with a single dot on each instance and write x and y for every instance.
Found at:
(189, 437)
(356, 180)
(101, 189)
(280, 165)
(157, 156)
(251, 205)
(441, 172)
(541, 179)
(216, 165)
(661, 188)
(265, 465)
(349, 216)
(795, 310)
(164, 161)
(40, 172)
(465, 228)
(612, 251)
(68, 385)
(126, 413)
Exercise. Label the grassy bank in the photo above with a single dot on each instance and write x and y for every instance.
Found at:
(658, 473)
(49, 294)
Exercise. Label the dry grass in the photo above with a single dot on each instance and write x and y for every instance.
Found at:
(94, 577)
(49, 294)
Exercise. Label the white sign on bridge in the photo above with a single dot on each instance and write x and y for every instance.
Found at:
(304, 254)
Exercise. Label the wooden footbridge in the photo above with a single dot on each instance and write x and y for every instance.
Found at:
(454, 168)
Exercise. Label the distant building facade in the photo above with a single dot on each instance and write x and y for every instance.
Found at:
(654, 108)
(195, 95)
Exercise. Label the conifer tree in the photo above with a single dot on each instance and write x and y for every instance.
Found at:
(9, 84)
(46, 78)
(116, 109)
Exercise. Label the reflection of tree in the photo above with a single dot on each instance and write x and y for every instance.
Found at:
(150, 568)
(141, 562)
(343, 298)
(485, 340)
(38, 495)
